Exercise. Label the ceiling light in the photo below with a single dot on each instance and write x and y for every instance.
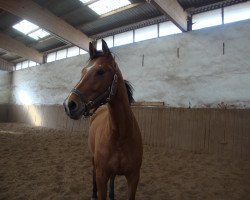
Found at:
(40, 33)
(25, 26)
(105, 6)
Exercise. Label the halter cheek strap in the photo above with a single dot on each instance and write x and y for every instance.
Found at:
(99, 100)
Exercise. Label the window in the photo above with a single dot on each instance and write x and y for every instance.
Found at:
(237, 12)
(146, 33)
(18, 66)
(82, 52)
(73, 51)
(207, 19)
(32, 63)
(104, 6)
(51, 57)
(61, 54)
(108, 40)
(123, 38)
(168, 28)
(25, 64)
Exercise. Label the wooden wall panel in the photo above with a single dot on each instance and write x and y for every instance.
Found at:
(221, 132)
(4, 108)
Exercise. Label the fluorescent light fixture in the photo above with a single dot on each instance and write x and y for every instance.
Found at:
(105, 6)
(40, 33)
(31, 29)
(84, 1)
(25, 26)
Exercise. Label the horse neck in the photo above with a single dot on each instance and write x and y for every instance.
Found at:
(120, 112)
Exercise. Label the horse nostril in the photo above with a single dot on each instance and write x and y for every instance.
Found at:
(72, 105)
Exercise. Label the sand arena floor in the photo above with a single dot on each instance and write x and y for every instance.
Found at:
(41, 163)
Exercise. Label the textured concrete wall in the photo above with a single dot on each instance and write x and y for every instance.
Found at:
(201, 76)
(5, 87)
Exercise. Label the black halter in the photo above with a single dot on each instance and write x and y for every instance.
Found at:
(99, 100)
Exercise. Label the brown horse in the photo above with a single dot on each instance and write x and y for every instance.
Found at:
(114, 136)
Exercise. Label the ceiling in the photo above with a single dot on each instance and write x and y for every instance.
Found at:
(78, 15)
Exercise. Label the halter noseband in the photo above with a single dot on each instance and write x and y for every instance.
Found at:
(99, 100)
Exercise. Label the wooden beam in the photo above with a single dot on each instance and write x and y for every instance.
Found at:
(174, 11)
(12, 45)
(5, 65)
(34, 13)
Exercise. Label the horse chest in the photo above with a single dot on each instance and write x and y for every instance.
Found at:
(118, 162)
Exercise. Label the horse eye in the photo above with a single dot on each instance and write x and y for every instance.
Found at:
(100, 72)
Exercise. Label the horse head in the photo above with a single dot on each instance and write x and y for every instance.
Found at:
(97, 85)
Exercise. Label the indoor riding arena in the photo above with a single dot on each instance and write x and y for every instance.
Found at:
(189, 64)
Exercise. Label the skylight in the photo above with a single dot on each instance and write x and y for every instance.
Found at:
(25, 26)
(40, 33)
(84, 1)
(104, 6)
(31, 30)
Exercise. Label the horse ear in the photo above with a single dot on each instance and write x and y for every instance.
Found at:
(105, 47)
(92, 51)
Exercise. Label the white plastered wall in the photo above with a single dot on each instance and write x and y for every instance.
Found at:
(200, 77)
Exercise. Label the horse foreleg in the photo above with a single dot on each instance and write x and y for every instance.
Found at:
(94, 191)
(132, 181)
(111, 188)
(101, 180)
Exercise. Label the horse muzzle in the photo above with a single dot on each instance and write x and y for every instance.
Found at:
(75, 110)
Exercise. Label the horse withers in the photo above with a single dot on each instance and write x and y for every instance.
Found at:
(114, 136)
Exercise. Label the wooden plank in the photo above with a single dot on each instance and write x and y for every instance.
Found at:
(198, 130)
(186, 132)
(247, 135)
(147, 103)
(19, 48)
(165, 120)
(147, 128)
(206, 119)
(4, 112)
(171, 128)
(161, 131)
(34, 13)
(174, 11)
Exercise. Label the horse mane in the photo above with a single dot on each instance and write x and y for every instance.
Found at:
(130, 91)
